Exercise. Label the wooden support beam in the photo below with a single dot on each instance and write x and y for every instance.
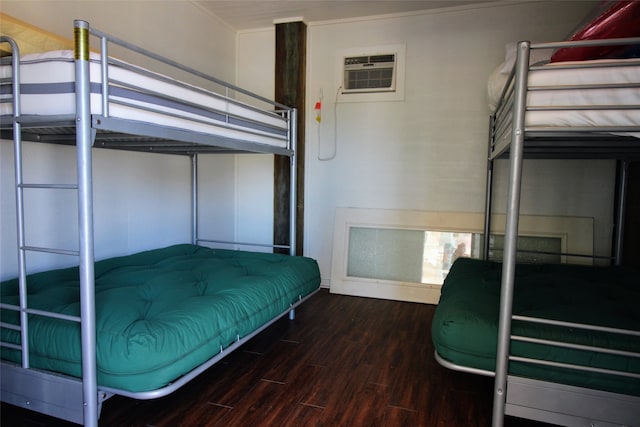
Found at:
(290, 76)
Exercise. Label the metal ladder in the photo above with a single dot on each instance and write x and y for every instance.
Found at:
(82, 410)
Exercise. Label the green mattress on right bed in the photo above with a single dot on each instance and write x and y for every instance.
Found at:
(465, 325)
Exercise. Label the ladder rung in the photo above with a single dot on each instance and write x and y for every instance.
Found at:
(50, 250)
(11, 326)
(9, 345)
(40, 313)
(53, 315)
(51, 186)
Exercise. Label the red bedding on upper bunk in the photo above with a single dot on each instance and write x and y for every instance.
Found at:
(621, 20)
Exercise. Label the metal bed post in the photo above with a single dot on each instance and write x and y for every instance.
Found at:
(85, 222)
(623, 178)
(104, 72)
(293, 199)
(488, 191)
(511, 234)
(194, 199)
(293, 204)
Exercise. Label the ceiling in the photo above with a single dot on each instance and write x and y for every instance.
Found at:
(251, 14)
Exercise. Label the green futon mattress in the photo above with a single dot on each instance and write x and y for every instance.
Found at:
(159, 313)
(465, 325)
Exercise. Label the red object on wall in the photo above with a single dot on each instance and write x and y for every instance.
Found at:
(621, 20)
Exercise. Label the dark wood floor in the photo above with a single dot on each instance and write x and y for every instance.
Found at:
(344, 361)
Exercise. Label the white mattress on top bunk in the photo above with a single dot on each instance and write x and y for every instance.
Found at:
(581, 103)
(47, 85)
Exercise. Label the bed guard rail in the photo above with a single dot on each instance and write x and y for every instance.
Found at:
(228, 96)
(509, 105)
(612, 350)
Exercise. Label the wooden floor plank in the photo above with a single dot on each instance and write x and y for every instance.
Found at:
(305, 415)
(344, 361)
(363, 406)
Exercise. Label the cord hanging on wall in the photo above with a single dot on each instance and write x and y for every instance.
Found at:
(318, 108)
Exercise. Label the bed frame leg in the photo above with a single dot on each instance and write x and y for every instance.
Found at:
(292, 314)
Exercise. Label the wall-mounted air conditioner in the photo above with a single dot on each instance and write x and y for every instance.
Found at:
(369, 73)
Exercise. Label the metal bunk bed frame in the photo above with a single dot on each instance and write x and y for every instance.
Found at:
(523, 397)
(80, 400)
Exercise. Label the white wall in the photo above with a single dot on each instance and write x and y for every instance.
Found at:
(179, 30)
(255, 172)
(141, 200)
(428, 151)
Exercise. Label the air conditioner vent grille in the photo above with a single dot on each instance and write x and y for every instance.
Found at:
(356, 60)
(382, 58)
(369, 73)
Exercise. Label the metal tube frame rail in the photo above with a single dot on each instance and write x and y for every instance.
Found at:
(177, 65)
(278, 108)
(293, 199)
(233, 242)
(84, 143)
(623, 183)
(561, 344)
(511, 235)
(194, 199)
(291, 115)
(591, 348)
(488, 193)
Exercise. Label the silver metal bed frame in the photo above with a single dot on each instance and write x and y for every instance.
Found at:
(510, 138)
(80, 400)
